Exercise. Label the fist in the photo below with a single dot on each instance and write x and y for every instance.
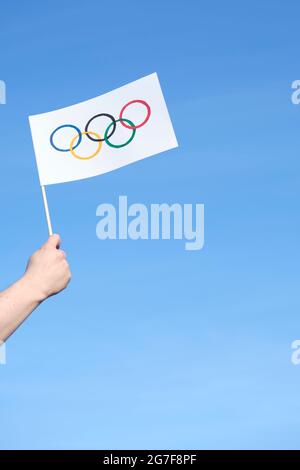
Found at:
(48, 272)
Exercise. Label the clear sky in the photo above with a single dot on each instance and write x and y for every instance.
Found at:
(153, 346)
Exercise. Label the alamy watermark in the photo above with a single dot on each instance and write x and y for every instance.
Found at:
(295, 97)
(157, 221)
(2, 353)
(2, 92)
(295, 357)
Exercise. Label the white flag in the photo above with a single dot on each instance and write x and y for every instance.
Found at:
(102, 134)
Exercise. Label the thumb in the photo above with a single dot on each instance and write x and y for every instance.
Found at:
(53, 242)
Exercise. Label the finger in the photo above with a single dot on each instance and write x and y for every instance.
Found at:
(63, 254)
(53, 242)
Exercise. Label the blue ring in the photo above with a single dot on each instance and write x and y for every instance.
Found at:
(61, 127)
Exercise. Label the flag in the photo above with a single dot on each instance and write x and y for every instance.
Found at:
(102, 134)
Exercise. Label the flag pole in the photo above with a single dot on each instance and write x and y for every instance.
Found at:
(47, 210)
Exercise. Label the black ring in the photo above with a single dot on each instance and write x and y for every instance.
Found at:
(94, 117)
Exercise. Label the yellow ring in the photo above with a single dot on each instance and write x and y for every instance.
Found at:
(91, 156)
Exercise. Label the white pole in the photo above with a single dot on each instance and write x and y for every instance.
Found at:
(47, 210)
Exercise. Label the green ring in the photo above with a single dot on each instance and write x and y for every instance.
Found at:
(128, 141)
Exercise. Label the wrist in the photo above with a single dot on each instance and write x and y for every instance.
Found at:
(32, 288)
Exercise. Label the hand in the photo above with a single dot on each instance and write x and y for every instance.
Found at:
(48, 272)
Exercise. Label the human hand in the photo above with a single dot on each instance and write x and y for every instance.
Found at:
(48, 272)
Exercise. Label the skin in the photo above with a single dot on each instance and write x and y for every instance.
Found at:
(47, 274)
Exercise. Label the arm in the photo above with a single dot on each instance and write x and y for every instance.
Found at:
(47, 274)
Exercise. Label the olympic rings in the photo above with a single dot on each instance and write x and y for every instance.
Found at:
(106, 137)
(61, 127)
(144, 121)
(95, 137)
(91, 156)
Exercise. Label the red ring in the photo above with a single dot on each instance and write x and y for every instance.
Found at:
(144, 121)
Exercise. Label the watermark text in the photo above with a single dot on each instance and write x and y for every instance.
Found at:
(156, 221)
(2, 92)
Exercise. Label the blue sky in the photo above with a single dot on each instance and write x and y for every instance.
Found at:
(153, 346)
